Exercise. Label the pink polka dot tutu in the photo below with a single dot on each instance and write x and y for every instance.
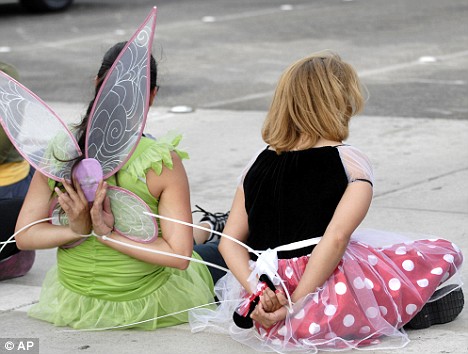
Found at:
(371, 295)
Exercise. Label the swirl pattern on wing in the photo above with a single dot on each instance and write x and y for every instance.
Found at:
(128, 214)
(119, 114)
(59, 217)
(129, 218)
(36, 131)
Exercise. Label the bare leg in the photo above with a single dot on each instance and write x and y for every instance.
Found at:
(200, 236)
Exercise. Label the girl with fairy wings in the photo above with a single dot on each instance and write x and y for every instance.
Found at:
(111, 281)
(308, 279)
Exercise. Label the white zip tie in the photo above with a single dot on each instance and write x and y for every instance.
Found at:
(290, 303)
(105, 237)
(148, 320)
(21, 230)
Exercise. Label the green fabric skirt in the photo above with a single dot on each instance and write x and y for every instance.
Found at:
(94, 286)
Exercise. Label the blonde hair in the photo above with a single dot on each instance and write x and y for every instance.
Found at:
(315, 97)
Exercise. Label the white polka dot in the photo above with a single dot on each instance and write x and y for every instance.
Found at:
(315, 297)
(448, 258)
(455, 247)
(401, 250)
(330, 310)
(276, 341)
(289, 272)
(358, 283)
(372, 312)
(411, 308)
(372, 259)
(408, 265)
(364, 330)
(369, 284)
(340, 288)
(383, 310)
(437, 271)
(394, 284)
(419, 254)
(300, 315)
(433, 239)
(423, 282)
(314, 328)
(348, 321)
(283, 331)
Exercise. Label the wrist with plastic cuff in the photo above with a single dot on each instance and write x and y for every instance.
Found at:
(92, 233)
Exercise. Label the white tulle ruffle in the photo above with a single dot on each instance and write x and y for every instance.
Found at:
(383, 280)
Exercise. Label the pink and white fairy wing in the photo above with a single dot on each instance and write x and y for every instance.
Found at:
(57, 214)
(118, 116)
(129, 214)
(130, 218)
(39, 135)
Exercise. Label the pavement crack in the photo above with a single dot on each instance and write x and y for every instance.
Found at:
(417, 183)
(451, 212)
(20, 306)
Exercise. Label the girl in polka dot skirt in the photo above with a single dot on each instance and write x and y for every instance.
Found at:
(322, 284)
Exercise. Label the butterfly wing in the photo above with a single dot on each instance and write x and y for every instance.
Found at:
(128, 210)
(39, 135)
(115, 126)
(118, 116)
(130, 219)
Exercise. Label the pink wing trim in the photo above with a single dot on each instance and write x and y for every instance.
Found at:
(118, 116)
(128, 210)
(35, 130)
(130, 220)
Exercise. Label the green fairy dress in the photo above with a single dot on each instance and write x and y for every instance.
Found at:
(95, 286)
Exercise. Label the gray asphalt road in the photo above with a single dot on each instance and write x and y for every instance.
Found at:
(412, 54)
(224, 58)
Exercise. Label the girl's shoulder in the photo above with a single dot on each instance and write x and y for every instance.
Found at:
(154, 153)
(356, 163)
(351, 152)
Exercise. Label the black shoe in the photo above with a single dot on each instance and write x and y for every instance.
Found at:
(444, 310)
(216, 220)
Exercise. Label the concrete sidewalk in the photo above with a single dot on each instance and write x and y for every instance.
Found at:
(421, 168)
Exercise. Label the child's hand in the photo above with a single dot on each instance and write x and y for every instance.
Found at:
(75, 205)
(268, 319)
(101, 212)
(272, 301)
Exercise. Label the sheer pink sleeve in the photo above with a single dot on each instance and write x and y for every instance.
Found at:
(241, 177)
(356, 164)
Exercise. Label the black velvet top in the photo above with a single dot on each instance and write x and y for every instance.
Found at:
(292, 196)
